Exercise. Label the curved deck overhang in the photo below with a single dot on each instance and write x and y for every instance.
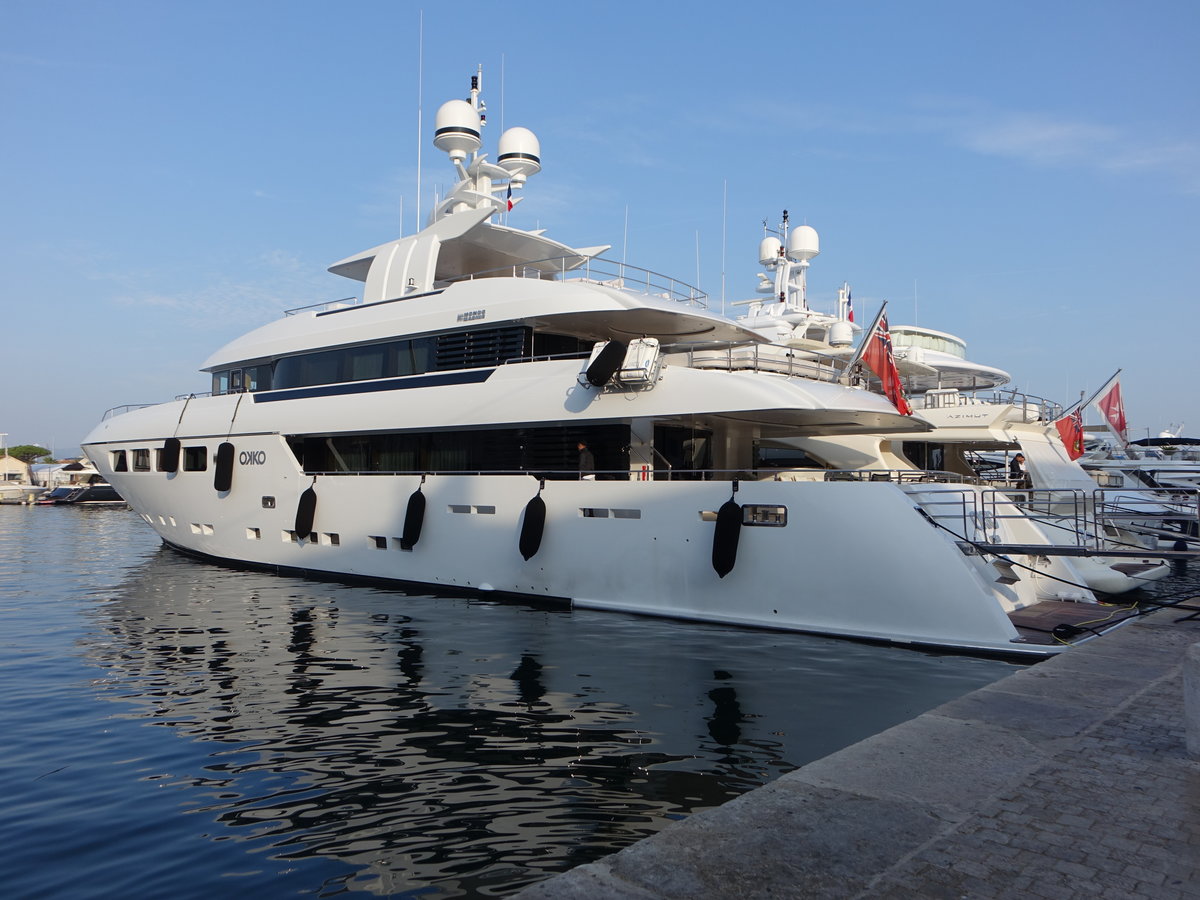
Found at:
(589, 310)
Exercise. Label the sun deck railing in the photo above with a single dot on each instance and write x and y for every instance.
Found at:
(771, 358)
(324, 306)
(600, 271)
(121, 410)
(1034, 408)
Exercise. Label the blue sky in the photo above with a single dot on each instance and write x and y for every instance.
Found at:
(1025, 175)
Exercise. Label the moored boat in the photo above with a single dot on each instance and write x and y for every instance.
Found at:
(433, 431)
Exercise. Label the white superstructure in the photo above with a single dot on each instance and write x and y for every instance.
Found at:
(432, 432)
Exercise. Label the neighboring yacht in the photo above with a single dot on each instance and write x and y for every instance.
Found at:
(977, 431)
(16, 481)
(20, 492)
(504, 413)
(1142, 464)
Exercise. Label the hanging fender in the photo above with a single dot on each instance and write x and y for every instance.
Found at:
(533, 523)
(725, 537)
(606, 363)
(413, 518)
(223, 474)
(306, 512)
(170, 455)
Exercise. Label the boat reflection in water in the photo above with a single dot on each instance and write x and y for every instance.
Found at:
(470, 747)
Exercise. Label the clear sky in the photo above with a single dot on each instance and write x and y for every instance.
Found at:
(1025, 175)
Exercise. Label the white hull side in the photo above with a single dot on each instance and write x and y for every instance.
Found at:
(855, 559)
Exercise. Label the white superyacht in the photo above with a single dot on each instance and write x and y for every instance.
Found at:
(500, 412)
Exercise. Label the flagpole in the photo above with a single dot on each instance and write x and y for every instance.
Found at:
(867, 335)
(1084, 404)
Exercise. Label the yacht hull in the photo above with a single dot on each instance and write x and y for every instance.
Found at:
(854, 559)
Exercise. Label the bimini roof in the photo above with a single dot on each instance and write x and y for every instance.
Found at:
(460, 245)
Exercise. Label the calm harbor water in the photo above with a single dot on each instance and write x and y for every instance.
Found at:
(183, 730)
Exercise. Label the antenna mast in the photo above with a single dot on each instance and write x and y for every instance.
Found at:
(420, 92)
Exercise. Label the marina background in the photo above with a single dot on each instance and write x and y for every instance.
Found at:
(1023, 176)
(177, 729)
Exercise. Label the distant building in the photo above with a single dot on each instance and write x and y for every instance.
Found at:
(13, 469)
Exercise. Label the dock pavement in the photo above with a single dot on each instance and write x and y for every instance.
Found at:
(1068, 779)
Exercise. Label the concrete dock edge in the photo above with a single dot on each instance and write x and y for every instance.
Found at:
(1068, 779)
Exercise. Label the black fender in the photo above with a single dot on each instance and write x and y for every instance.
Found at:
(414, 516)
(533, 523)
(306, 512)
(169, 460)
(725, 537)
(223, 470)
(606, 363)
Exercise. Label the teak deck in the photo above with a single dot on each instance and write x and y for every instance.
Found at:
(1036, 623)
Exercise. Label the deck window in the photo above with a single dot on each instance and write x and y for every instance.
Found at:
(141, 460)
(119, 461)
(551, 450)
(444, 352)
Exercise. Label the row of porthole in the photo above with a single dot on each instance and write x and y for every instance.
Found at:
(195, 459)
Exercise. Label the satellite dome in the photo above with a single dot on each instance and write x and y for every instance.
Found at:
(457, 129)
(803, 243)
(768, 251)
(520, 153)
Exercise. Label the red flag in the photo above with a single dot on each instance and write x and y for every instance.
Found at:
(1113, 408)
(1070, 429)
(879, 359)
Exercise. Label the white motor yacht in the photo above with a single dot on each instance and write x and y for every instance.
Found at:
(502, 413)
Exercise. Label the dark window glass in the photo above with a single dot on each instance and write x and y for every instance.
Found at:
(120, 464)
(257, 378)
(458, 350)
(552, 449)
(141, 460)
(559, 345)
(195, 459)
(367, 362)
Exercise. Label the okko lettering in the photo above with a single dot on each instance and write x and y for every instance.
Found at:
(253, 457)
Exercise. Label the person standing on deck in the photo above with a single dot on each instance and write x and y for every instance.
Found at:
(1017, 472)
(587, 462)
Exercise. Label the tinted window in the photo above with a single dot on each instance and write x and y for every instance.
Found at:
(195, 459)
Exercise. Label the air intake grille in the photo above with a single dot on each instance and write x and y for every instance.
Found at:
(476, 349)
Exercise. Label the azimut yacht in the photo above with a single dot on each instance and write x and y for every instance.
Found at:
(500, 412)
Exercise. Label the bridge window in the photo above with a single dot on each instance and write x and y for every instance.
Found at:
(396, 359)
